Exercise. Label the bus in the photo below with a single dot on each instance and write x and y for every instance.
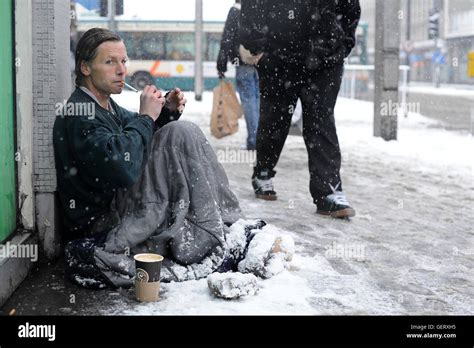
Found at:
(162, 52)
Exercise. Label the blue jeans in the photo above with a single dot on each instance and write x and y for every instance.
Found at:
(247, 86)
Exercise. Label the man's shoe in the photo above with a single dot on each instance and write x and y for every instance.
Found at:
(264, 189)
(336, 206)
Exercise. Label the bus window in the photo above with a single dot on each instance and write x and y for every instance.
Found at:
(179, 46)
(212, 46)
(144, 46)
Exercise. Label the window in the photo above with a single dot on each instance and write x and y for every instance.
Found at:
(179, 46)
(144, 46)
(212, 46)
(169, 45)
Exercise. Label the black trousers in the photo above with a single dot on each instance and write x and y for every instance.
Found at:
(279, 92)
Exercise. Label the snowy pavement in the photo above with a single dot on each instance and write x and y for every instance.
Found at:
(408, 251)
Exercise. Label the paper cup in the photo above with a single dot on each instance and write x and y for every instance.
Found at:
(147, 277)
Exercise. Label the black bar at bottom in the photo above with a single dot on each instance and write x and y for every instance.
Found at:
(286, 330)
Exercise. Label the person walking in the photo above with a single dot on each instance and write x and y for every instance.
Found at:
(246, 75)
(303, 44)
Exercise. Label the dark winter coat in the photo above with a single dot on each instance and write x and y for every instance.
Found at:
(299, 35)
(229, 50)
(97, 154)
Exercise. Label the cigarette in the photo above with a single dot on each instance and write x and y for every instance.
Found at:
(130, 87)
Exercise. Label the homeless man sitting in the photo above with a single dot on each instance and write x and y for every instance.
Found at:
(137, 182)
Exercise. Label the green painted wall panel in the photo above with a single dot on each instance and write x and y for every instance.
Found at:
(7, 152)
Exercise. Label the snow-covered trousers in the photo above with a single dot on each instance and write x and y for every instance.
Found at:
(181, 208)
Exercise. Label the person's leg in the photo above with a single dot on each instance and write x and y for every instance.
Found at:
(80, 266)
(245, 87)
(319, 132)
(277, 101)
(255, 106)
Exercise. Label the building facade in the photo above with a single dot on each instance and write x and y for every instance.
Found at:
(446, 55)
(34, 76)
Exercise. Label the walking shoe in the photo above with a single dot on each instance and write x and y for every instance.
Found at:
(335, 205)
(264, 189)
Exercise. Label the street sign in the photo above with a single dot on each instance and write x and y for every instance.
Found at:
(470, 64)
(89, 4)
(438, 58)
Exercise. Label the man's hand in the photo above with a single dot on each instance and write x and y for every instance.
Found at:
(151, 102)
(247, 57)
(258, 57)
(175, 101)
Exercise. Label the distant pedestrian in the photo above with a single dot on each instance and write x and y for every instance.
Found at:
(246, 75)
(304, 43)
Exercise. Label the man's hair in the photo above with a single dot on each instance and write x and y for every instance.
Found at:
(86, 49)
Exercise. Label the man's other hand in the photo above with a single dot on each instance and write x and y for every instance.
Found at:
(175, 101)
(151, 102)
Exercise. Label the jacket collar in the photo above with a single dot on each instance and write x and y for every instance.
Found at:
(92, 96)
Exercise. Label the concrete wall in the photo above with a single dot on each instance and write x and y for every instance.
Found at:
(14, 269)
(24, 111)
(42, 78)
(51, 84)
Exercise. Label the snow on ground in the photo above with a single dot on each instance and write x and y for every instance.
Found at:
(409, 250)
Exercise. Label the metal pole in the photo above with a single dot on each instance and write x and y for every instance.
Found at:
(111, 11)
(387, 44)
(405, 70)
(198, 79)
(353, 83)
(408, 36)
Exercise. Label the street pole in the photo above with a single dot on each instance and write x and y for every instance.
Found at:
(408, 50)
(387, 60)
(111, 11)
(198, 79)
(408, 36)
(439, 44)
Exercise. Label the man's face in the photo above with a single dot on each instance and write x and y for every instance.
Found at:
(107, 71)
